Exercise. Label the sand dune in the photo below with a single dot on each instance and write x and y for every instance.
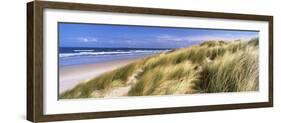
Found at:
(210, 67)
(73, 75)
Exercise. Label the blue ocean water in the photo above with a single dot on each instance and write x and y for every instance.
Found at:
(69, 56)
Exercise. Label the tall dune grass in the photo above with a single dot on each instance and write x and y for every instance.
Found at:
(232, 72)
(211, 67)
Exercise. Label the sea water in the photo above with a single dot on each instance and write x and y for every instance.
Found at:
(69, 56)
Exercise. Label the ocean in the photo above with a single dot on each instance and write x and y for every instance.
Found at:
(69, 56)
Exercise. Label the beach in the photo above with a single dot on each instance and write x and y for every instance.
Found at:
(190, 70)
(70, 76)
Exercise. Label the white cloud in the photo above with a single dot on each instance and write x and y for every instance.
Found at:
(129, 41)
(87, 39)
(193, 38)
(225, 37)
(171, 38)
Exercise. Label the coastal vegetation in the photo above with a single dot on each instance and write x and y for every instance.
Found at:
(210, 67)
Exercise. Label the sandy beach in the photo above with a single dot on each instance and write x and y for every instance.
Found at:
(70, 76)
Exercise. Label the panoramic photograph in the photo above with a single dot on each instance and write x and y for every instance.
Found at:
(109, 61)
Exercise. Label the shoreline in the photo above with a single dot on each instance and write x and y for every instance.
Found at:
(70, 76)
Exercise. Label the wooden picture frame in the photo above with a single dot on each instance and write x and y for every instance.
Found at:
(35, 60)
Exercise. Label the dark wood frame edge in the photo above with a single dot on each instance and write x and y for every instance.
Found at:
(35, 60)
(30, 89)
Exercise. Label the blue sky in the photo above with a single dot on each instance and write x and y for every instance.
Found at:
(117, 36)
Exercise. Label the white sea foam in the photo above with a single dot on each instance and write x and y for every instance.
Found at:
(117, 52)
(84, 50)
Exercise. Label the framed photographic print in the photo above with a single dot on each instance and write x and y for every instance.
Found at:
(96, 61)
